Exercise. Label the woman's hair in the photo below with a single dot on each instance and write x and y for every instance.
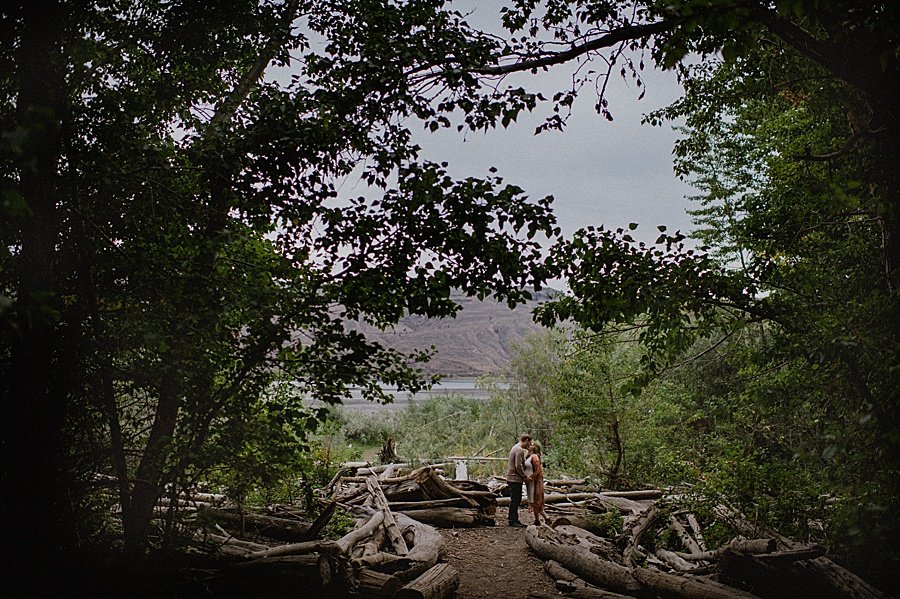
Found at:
(536, 447)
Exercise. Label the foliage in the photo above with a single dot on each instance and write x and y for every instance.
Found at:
(186, 259)
(177, 264)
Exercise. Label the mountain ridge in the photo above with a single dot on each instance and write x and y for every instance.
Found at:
(477, 342)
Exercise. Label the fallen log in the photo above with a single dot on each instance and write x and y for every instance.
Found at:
(821, 572)
(639, 527)
(310, 560)
(566, 550)
(450, 517)
(809, 552)
(587, 521)
(365, 471)
(342, 545)
(280, 529)
(645, 494)
(623, 504)
(674, 560)
(556, 498)
(383, 562)
(377, 584)
(321, 521)
(439, 582)
(434, 487)
(698, 532)
(294, 549)
(689, 587)
(346, 543)
(400, 506)
(565, 482)
(427, 547)
(372, 545)
(575, 587)
(687, 541)
(224, 546)
(597, 545)
(333, 485)
(738, 544)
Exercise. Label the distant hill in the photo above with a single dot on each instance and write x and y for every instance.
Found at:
(477, 342)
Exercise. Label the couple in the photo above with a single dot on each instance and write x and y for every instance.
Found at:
(524, 465)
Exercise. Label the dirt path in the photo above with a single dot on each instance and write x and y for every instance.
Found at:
(495, 561)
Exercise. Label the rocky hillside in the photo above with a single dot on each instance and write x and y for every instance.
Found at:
(477, 342)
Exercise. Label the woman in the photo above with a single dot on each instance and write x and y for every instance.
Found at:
(535, 483)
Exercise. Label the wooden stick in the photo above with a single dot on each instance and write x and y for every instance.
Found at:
(738, 545)
(698, 532)
(687, 540)
(390, 524)
(345, 543)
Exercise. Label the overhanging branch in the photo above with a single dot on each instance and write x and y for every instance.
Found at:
(621, 34)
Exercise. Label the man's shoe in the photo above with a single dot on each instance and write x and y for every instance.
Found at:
(516, 525)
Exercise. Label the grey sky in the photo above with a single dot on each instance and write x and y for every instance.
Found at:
(599, 172)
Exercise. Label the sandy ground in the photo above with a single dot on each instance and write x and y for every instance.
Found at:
(495, 561)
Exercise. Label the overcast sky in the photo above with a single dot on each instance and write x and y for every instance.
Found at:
(599, 172)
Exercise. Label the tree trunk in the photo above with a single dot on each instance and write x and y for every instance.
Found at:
(147, 485)
(345, 544)
(639, 527)
(33, 405)
(675, 561)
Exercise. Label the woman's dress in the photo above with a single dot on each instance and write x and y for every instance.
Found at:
(536, 486)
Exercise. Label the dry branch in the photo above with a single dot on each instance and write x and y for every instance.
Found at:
(390, 525)
(738, 544)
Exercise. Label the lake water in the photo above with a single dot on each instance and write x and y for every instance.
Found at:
(466, 387)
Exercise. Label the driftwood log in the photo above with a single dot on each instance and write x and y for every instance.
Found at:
(390, 525)
(574, 556)
(450, 517)
(819, 577)
(608, 495)
(438, 582)
(573, 586)
(568, 551)
(280, 529)
(372, 583)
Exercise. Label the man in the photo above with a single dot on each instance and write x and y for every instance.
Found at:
(515, 476)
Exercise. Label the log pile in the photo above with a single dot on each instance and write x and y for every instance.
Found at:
(422, 494)
(637, 562)
(387, 554)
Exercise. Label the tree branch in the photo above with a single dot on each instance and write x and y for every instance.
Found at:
(621, 34)
(851, 63)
